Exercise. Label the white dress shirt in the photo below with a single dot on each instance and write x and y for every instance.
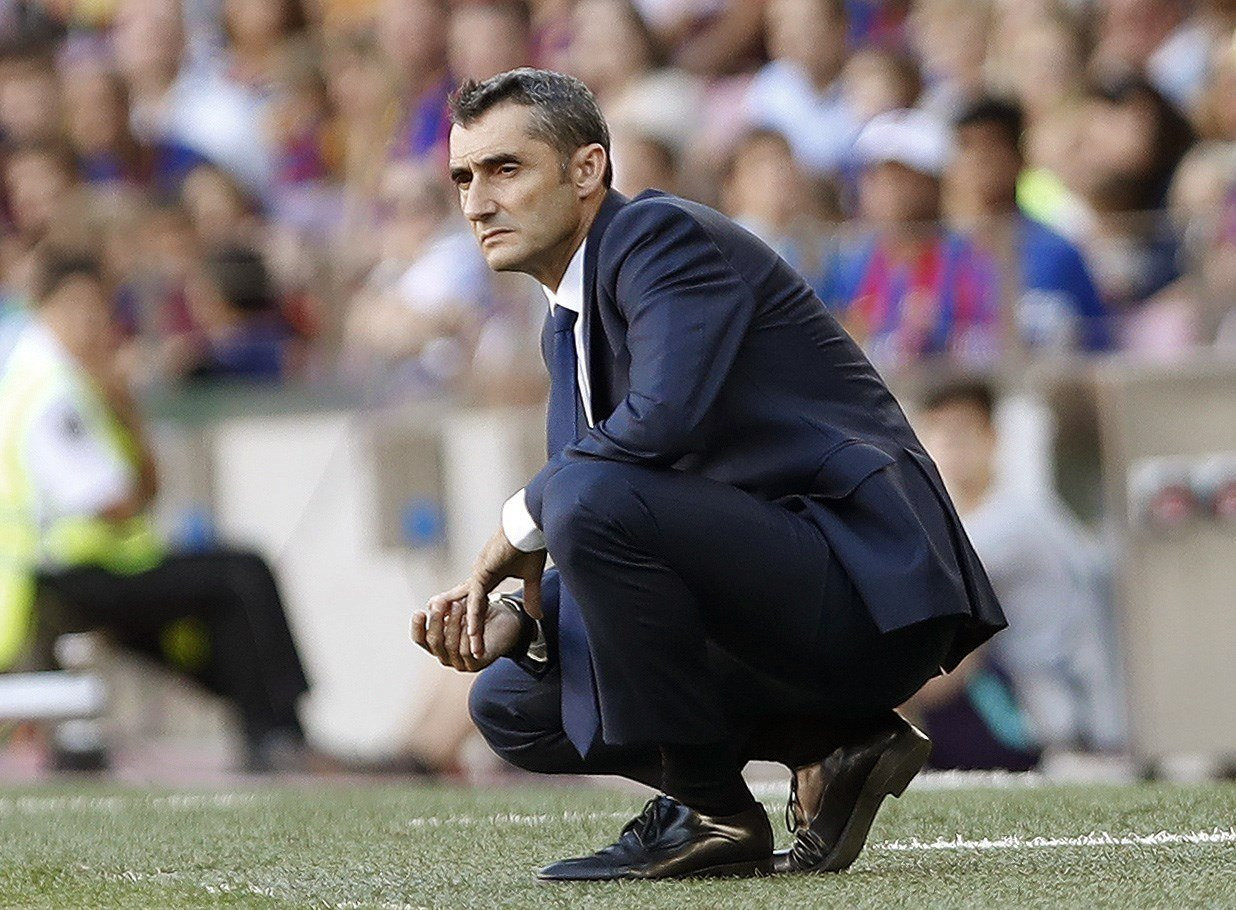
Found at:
(517, 523)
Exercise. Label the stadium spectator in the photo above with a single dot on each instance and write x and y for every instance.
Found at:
(241, 332)
(364, 97)
(149, 42)
(412, 34)
(307, 145)
(215, 101)
(79, 508)
(1133, 140)
(1158, 39)
(488, 37)
(765, 191)
(1056, 304)
(1049, 575)
(1038, 55)
(643, 162)
(908, 288)
(108, 152)
(40, 181)
(877, 81)
(799, 92)
(29, 90)
(423, 302)
(1203, 210)
(218, 207)
(613, 51)
(950, 38)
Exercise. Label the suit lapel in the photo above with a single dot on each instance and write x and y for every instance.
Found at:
(613, 202)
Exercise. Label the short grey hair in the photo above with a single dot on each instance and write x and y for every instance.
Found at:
(565, 113)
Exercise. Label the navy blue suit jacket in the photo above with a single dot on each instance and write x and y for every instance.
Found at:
(709, 354)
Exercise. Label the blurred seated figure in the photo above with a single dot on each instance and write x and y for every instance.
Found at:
(1131, 141)
(799, 92)
(950, 38)
(1056, 661)
(97, 120)
(766, 191)
(40, 179)
(1057, 306)
(878, 80)
(240, 331)
(1202, 205)
(907, 288)
(30, 109)
(643, 161)
(423, 302)
(76, 484)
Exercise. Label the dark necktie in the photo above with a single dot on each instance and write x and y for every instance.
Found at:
(581, 718)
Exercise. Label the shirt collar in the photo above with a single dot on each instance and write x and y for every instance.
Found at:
(570, 292)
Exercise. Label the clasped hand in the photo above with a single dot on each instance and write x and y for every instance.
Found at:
(461, 628)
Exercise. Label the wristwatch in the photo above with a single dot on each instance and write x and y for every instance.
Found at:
(531, 647)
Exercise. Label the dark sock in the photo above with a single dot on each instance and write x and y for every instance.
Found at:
(798, 741)
(706, 778)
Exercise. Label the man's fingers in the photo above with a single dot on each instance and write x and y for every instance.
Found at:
(435, 634)
(453, 625)
(446, 598)
(416, 629)
(478, 607)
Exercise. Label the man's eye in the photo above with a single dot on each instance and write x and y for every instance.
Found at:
(508, 169)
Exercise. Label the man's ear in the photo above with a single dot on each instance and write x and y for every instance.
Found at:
(588, 166)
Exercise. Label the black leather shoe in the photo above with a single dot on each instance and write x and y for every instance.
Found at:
(670, 840)
(834, 801)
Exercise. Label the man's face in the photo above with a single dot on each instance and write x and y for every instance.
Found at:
(962, 443)
(986, 164)
(891, 193)
(513, 190)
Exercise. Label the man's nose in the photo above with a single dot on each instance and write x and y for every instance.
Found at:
(478, 204)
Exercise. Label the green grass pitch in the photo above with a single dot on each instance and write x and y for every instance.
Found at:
(337, 845)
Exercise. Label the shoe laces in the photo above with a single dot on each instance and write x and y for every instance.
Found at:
(647, 825)
(792, 807)
(809, 849)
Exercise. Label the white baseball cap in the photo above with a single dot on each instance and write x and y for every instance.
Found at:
(910, 137)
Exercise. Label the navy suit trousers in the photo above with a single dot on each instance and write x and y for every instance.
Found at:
(709, 612)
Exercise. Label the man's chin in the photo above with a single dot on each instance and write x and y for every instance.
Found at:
(500, 260)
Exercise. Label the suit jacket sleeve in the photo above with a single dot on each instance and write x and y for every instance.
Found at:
(687, 311)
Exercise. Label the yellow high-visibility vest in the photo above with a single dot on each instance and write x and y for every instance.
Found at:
(30, 381)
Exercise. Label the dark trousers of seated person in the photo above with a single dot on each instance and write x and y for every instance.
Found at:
(250, 657)
(714, 618)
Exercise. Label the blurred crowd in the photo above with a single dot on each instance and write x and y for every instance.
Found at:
(977, 180)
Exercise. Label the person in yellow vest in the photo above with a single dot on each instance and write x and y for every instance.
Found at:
(76, 481)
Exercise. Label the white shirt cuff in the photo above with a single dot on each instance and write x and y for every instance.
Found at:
(518, 526)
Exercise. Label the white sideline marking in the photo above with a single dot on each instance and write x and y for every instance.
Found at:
(42, 805)
(1094, 839)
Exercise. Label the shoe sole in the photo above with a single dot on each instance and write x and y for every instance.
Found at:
(891, 775)
(730, 870)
